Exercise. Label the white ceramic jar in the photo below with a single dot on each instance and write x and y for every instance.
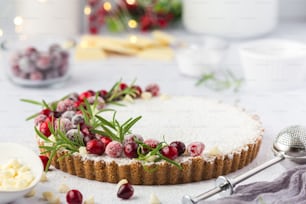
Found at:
(231, 19)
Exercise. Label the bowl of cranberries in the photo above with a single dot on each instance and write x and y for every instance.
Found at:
(36, 62)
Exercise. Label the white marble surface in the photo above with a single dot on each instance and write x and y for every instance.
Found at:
(276, 109)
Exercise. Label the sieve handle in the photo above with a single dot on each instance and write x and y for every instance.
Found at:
(227, 185)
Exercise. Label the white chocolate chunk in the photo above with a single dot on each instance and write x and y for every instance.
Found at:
(82, 150)
(214, 151)
(30, 194)
(63, 188)
(121, 182)
(44, 177)
(48, 196)
(128, 99)
(146, 95)
(154, 199)
(90, 200)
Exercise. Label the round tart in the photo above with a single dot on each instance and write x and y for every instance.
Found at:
(219, 138)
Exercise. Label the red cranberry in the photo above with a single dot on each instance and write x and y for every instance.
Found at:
(46, 112)
(74, 197)
(180, 146)
(123, 86)
(86, 95)
(103, 93)
(153, 89)
(44, 128)
(169, 152)
(138, 90)
(105, 140)
(44, 159)
(95, 147)
(84, 128)
(125, 191)
(195, 148)
(130, 150)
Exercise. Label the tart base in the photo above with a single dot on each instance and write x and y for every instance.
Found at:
(159, 173)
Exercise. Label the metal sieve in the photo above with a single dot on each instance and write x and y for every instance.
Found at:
(290, 143)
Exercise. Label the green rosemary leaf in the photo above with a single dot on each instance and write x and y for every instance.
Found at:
(45, 104)
(130, 124)
(116, 103)
(85, 115)
(88, 108)
(95, 104)
(32, 116)
(32, 102)
(104, 122)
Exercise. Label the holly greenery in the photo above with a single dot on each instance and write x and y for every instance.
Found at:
(116, 15)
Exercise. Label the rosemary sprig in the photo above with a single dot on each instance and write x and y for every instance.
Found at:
(114, 129)
(115, 93)
(60, 141)
(220, 81)
(153, 153)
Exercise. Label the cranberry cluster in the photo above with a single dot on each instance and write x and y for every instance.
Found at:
(32, 64)
(69, 118)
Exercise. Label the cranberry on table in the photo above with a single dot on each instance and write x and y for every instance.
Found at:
(125, 191)
(44, 159)
(138, 90)
(74, 197)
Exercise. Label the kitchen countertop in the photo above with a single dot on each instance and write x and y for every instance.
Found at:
(276, 110)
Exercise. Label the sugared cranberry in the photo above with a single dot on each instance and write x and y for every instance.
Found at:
(125, 191)
(130, 150)
(74, 197)
(169, 152)
(43, 62)
(36, 76)
(39, 119)
(77, 119)
(114, 149)
(180, 146)
(44, 159)
(153, 89)
(152, 143)
(86, 95)
(132, 138)
(195, 148)
(123, 86)
(44, 128)
(103, 93)
(138, 90)
(65, 105)
(105, 140)
(95, 147)
(74, 135)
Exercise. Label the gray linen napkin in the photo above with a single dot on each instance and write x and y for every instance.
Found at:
(289, 188)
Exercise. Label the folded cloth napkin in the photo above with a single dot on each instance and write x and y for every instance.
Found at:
(290, 187)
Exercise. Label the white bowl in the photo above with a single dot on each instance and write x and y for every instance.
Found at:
(273, 64)
(10, 151)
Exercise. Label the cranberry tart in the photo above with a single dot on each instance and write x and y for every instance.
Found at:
(137, 134)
